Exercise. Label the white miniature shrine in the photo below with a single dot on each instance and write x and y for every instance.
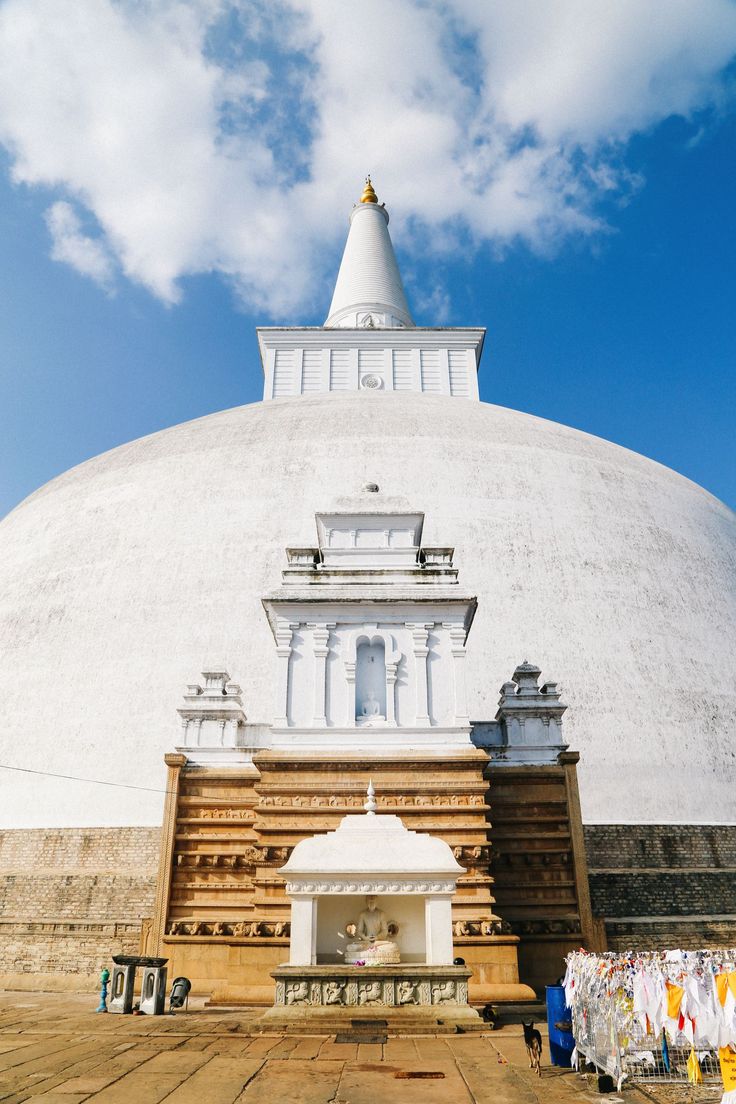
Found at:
(371, 923)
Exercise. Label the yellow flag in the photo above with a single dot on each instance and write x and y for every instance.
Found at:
(694, 1074)
(728, 1067)
(675, 994)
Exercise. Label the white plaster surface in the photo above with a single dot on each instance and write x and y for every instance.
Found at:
(366, 844)
(303, 360)
(125, 577)
(369, 290)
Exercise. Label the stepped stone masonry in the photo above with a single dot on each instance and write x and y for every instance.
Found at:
(69, 898)
(370, 633)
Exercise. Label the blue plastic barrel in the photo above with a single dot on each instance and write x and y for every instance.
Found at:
(561, 1043)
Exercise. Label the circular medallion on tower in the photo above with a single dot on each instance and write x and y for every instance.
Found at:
(372, 382)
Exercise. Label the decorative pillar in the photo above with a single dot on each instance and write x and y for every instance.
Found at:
(303, 933)
(391, 673)
(284, 638)
(438, 930)
(420, 633)
(458, 636)
(320, 644)
(568, 760)
(350, 679)
(168, 839)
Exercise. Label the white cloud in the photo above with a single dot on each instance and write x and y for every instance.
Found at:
(88, 255)
(231, 136)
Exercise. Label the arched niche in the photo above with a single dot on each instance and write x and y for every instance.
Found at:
(370, 681)
(371, 662)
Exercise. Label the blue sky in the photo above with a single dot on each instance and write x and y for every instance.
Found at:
(589, 224)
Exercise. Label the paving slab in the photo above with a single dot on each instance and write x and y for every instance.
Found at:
(106, 1071)
(39, 1048)
(221, 1081)
(495, 1085)
(14, 1044)
(175, 1061)
(308, 1047)
(226, 1044)
(48, 1074)
(308, 1082)
(283, 1049)
(60, 1050)
(261, 1045)
(58, 1098)
(137, 1087)
(409, 1085)
(341, 1052)
(400, 1050)
(370, 1052)
(434, 1047)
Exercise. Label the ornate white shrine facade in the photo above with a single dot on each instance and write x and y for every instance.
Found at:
(370, 632)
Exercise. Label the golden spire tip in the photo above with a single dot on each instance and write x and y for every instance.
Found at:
(368, 196)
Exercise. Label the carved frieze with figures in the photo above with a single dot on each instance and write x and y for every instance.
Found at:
(241, 929)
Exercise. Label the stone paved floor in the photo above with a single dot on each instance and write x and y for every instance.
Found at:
(55, 1049)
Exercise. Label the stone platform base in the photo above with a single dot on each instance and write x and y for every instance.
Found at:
(410, 996)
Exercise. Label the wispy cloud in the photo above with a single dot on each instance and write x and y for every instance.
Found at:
(72, 245)
(224, 136)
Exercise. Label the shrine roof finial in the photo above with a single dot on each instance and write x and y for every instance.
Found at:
(370, 805)
(369, 195)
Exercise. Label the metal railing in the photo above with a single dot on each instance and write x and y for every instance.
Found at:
(628, 1053)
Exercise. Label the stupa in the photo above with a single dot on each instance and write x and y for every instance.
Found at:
(358, 565)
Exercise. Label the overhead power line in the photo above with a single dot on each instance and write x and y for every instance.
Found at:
(91, 781)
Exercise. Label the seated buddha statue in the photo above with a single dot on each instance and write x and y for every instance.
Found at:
(370, 712)
(371, 940)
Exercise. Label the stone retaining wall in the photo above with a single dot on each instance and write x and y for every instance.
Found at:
(69, 898)
(663, 885)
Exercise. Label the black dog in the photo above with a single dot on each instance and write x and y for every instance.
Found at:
(533, 1041)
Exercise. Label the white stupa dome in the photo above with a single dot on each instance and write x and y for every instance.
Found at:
(123, 578)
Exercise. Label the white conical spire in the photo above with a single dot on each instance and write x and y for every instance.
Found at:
(369, 291)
